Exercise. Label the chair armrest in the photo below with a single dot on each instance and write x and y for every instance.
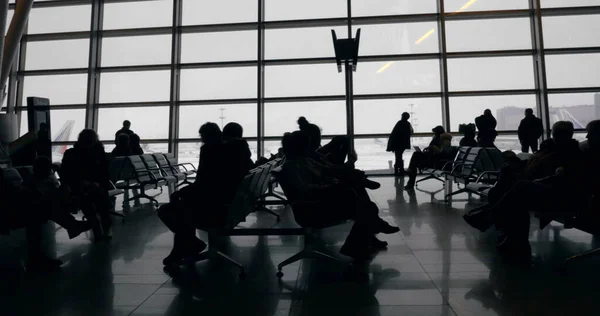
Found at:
(488, 173)
(192, 168)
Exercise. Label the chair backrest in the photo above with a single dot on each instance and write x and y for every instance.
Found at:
(115, 169)
(171, 158)
(471, 162)
(496, 158)
(12, 176)
(151, 165)
(462, 154)
(163, 164)
(139, 169)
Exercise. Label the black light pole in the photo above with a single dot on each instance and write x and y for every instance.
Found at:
(346, 51)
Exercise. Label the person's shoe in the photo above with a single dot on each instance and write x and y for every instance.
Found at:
(385, 228)
(176, 256)
(372, 185)
(78, 228)
(378, 244)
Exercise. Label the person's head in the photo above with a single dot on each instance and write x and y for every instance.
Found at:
(210, 133)
(134, 140)
(405, 116)
(126, 124)
(123, 140)
(470, 131)
(232, 131)
(438, 130)
(593, 134)
(529, 112)
(42, 167)
(487, 112)
(312, 131)
(562, 132)
(87, 139)
(295, 145)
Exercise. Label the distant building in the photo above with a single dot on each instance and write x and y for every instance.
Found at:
(580, 115)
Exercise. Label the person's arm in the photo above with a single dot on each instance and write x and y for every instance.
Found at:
(520, 131)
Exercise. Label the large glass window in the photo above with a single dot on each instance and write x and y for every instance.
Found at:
(301, 10)
(392, 7)
(403, 38)
(571, 31)
(148, 122)
(218, 83)
(456, 6)
(303, 80)
(301, 42)
(189, 152)
(397, 77)
(65, 125)
(57, 54)
(490, 73)
(380, 116)
(136, 50)
(219, 46)
(497, 34)
(138, 14)
(216, 12)
(508, 110)
(140, 86)
(60, 19)
(192, 117)
(568, 3)
(60, 89)
(579, 108)
(330, 116)
(372, 154)
(573, 71)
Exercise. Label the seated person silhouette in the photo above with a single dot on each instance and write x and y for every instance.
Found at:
(555, 183)
(126, 129)
(439, 148)
(334, 152)
(203, 204)
(123, 149)
(319, 199)
(30, 206)
(134, 143)
(84, 172)
(469, 134)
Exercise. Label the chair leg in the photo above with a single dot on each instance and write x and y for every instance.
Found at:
(231, 261)
(304, 254)
(584, 255)
(321, 255)
(446, 198)
(427, 178)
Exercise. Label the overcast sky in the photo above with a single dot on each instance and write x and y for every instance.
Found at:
(377, 116)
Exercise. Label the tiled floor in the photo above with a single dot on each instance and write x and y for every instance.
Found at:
(436, 266)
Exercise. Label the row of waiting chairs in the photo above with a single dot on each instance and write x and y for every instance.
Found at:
(147, 172)
(476, 168)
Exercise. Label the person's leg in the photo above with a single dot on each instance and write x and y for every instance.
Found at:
(416, 161)
(524, 146)
(534, 145)
(399, 164)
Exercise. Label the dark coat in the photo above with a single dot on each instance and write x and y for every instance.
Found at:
(79, 165)
(485, 122)
(400, 136)
(531, 128)
(127, 132)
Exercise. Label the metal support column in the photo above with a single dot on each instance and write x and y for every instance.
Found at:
(13, 37)
(93, 93)
(349, 75)
(539, 66)
(443, 66)
(3, 18)
(175, 77)
(260, 110)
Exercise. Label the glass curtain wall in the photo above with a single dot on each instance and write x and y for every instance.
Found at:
(171, 65)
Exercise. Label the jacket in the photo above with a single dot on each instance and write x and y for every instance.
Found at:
(530, 128)
(400, 136)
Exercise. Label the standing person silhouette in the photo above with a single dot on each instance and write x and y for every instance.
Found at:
(126, 129)
(399, 141)
(530, 130)
(486, 125)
